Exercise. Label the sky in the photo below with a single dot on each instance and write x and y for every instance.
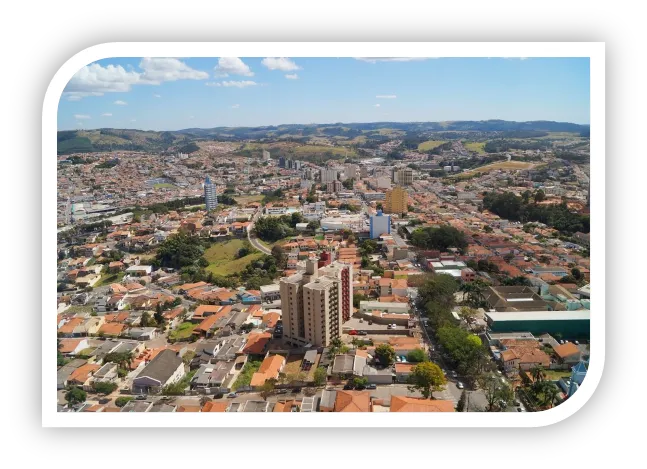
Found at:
(175, 94)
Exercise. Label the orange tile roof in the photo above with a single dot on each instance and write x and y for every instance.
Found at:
(112, 328)
(403, 367)
(82, 373)
(69, 326)
(205, 310)
(256, 342)
(270, 368)
(566, 350)
(353, 401)
(68, 345)
(414, 404)
(188, 408)
(270, 319)
(286, 406)
(215, 407)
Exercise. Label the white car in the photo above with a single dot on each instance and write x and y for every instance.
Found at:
(459, 385)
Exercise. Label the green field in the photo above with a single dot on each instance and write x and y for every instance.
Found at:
(429, 144)
(183, 331)
(246, 199)
(314, 149)
(561, 136)
(164, 185)
(554, 375)
(475, 146)
(222, 257)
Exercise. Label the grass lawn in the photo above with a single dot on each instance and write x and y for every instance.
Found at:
(222, 257)
(79, 309)
(554, 375)
(320, 237)
(108, 279)
(429, 144)
(509, 165)
(183, 331)
(245, 376)
(475, 146)
(164, 185)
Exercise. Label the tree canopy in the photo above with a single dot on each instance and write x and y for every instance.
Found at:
(440, 238)
(385, 354)
(426, 377)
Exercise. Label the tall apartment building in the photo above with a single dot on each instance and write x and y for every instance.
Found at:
(266, 155)
(397, 201)
(328, 175)
(403, 177)
(315, 303)
(210, 196)
(380, 224)
(363, 172)
(334, 187)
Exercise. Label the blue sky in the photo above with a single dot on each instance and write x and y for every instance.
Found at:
(173, 94)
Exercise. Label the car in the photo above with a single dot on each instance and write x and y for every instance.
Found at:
(403, 358)
(231, 395)
(362, 333)
(389, 326)
(453, 374)
(370, 323)
(519, 409)
(393, 326)
(503, 404)
(141, 397)
(398, 359)
(353, 332)
(349, 387)
(296, 390)
(517, 403)
(459, 385)
(281, 391)
(218, 395)
(371, 386)
(105, 400)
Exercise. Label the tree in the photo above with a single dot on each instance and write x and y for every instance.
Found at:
(385, 354)
(146, 320)
(159, 315)
(441, 238)
(460, 405)
(348, 183)
(358, 298)
(417, 355)
(488, 229)
(123, 359)
(474, 292)
(204, 400)
(359, 381)
(494, 390)
(320, 376)
(426, 377)
(550, 392)
(335, 347)
(576, 273)
(538, 373)
(467, 314)
(279, 254)
(122, 401)
(104, 388)
(75, 396)
(539, 196)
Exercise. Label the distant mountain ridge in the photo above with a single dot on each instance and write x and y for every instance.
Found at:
(107, 139)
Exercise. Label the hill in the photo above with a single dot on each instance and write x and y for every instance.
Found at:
(364, 134)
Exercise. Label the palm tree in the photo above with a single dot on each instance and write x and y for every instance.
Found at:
(538, 374)
(550, 394)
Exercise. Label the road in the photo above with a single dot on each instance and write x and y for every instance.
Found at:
(253, 240)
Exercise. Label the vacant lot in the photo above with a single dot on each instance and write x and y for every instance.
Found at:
(475, 146)
(222, 257)
(429, 144)
(246, 199)
(110, 279)
(164, 185)
(183, 331)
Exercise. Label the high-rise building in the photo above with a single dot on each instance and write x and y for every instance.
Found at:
(314, 303)
(403, 176)
(397, 201)
(281, 162)
(266, 155)
(334, 187)
(210, 196)
(328, 175)
(363, 172)
(380, 224)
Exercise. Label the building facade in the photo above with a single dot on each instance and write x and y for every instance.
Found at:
(328, 175)
(380, 224)
(396, 201)
(210, 196)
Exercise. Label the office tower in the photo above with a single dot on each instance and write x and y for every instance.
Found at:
(210, 196)
(281, 162)
(314, 303)
(380, 224)
(396, 201)
(328, 175)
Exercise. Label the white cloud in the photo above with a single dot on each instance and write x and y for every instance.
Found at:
(236, 84)
(280, 63)
(191, 117)
(386, 96)
(120, 103)
(81, 116)
(233, 66)
(235, 106)
(95, 79)
(391, 59)
(133, 120)
(157, 96)
(292, 76)
(157, 70)
(106, 114)
(376, 105)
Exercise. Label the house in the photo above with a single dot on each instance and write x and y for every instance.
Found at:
(402, 371)
(345, 401)
(375, 376)
(269, 369)
(63, 373)
(347, 365)
(212, 375)
(257, 343)
(139, 270)
(568, 353)
(142, 333)
(212, 406)
(115, 303)
(81, 375)
(188, 408)
(137, 406)
(524, 358)
(166, 368)
(106, 374)
(415, 404)
(72, 346)
(270, 292)
(112, 329)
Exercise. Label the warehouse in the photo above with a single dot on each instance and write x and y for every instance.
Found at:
(571, 325)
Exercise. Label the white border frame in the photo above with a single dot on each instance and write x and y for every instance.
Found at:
(594, 50)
